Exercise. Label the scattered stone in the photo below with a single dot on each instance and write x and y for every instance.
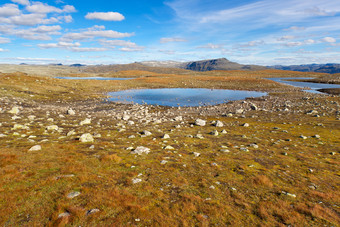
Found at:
(52, 128)
(19, 126)
(333, 153)
(245, 125)
(71, 133)
(317, 136)
(199, 136)
(178, 118)
(141, 150)
(166, 136)
(225, 150)
(87, 121)
(303, 137)
(163, 162)
(72, 195)
(214, 133)
(92, 211)
(126, 117)
(200, 122)
(31, 117)
(288, 194)
(146, 133)
(239, 111)
(224, 131)
(136, 180)
(35, 148)
(14, 110)
(196, 154)
(253, 107)
(169, 148)
(219, 124)
(86, 137)
(64, 215)
(71, 112)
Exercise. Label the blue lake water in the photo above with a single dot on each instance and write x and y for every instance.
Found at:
(92, 78)
(181, 96)
(313, 86)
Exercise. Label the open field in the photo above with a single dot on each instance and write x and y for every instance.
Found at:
(275, 164)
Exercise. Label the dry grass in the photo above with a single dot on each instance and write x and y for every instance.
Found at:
(243, 187)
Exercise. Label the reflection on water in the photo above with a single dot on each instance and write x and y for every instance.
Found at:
(181, 96)
(313, 86)
(92, 78)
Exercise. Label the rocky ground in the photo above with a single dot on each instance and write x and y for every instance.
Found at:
(263, 161)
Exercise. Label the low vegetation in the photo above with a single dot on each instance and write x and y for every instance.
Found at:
(273, 162)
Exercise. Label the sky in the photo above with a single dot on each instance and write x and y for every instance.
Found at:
(265, 32)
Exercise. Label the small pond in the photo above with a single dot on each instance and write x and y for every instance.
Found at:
(181, 96)
(93, 78)
(313, 86)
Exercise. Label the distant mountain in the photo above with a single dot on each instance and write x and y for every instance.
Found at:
(204, 65)
(77, 65)
(320, 68)
(220, 64)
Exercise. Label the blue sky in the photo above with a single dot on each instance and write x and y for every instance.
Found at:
(266, 32)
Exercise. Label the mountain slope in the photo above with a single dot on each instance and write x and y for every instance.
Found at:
(321, 68)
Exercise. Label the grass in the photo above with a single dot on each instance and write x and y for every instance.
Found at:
(243, 187)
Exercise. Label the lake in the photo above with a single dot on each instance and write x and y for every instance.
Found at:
(92, 78)
(181, 96)
(313, 86)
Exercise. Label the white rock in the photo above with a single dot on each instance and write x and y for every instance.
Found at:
(70, 133)
(196, 154)
(14, 110)
(136, 180)
(72, 195)
(245, 125)
(31, 117)
(166, 136)
(64, 215)
(219, 124)
(52, 128)
(92, 211)
(126, 117)
(19, 126)
(86, 137)
(35, 148)
(87, 121)
(71, 112)
(141, 150)
(163, 162)
(200, 122)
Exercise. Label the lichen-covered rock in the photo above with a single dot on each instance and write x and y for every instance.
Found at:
(86, 137)
(35, 148)
(141, 150)
(200, 122)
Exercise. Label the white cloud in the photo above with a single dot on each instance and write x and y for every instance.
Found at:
(286, 37)
(3, 50)
(37, 33)
(167, 40)
(211, 46)
(42, 8)
(122, 43)
(328, 40)
(87, 49)
(4, 40)
(295, 28)
(309, 41)
(29, 19)
(108, 16)
(58, 45)
(252, 43)
(94, 32)
(129, 49)
(22, 2)
(293, 44)
(8, 10)
(68, 19)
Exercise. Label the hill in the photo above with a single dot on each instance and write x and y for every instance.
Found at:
(321, 68)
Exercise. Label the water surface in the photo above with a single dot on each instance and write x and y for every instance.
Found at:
(93, 78)
(181, 96)
(313, 86)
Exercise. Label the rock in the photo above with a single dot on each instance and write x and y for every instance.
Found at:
(196, 154)
(87, 121)
(178, 118)
(303, 137)
(52, 128)
(19, 126)
(166, 136)
(317, 136)
(72, 195)
(141, 150)
(214, 133)
(200, 122)
(253, 107)
(146, 133)
(14, 110)
(86, 137)
(199, 136)
(126, 117)
(35, 148)
(168, 148)
(163, 162)
(71, 133)
(225, 150)
(71, 112)
(31, 117)
(245, 125)
(64, 215)
(288, 194)
(92, 211)
(224, 131)
(219, 124)
(239, 111)
(136, 180)
(130, 123)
